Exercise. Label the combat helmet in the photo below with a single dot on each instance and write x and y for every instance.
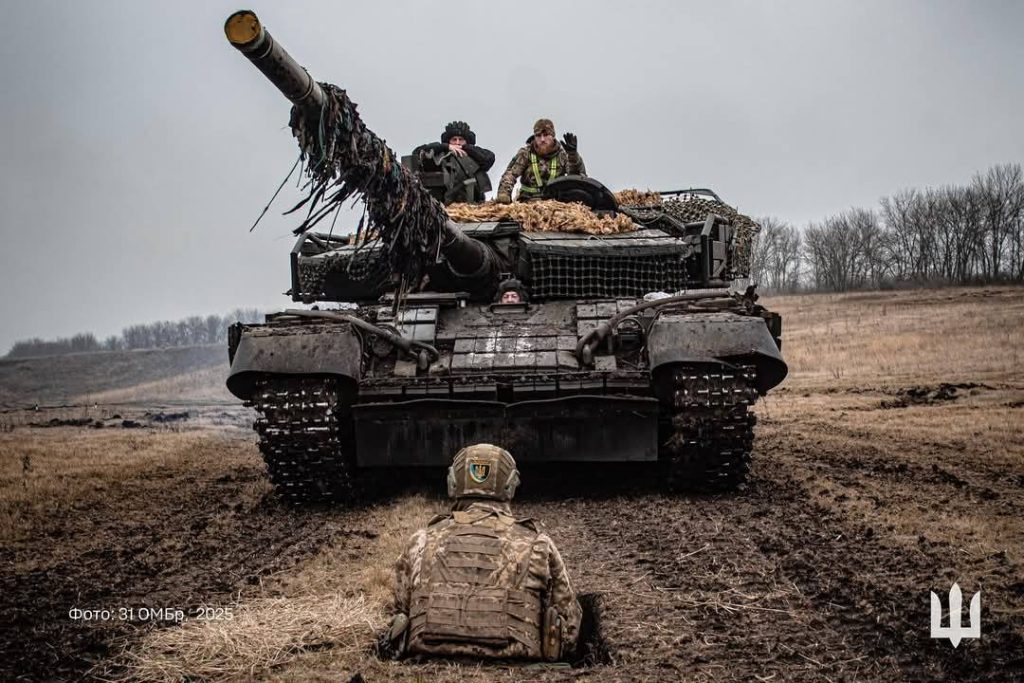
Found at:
(483, 471)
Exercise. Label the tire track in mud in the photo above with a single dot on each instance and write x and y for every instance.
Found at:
(768, 582)
(889, 575)
(687, 589)
(887, 449)
(995, 488)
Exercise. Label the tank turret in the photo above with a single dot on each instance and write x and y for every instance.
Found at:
(411, 229)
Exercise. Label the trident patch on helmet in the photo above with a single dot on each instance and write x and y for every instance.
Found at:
(479, 471)
(483, 470)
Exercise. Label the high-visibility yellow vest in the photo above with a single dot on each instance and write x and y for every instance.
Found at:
(535, 165)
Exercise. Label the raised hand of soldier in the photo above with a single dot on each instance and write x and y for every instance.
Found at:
(456, 149)
(569, 142)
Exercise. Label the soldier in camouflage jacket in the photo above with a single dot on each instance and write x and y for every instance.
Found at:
(480, 582)
(542, 159)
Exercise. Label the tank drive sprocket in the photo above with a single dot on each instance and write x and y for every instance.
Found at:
(301, 437)
(709, 432)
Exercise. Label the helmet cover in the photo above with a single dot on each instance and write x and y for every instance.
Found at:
(483, 471)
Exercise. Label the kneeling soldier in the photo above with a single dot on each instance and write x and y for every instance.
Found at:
(478, 581)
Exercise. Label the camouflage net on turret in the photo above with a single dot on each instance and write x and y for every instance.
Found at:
(543, 215)
(345, 159)
(692, 209)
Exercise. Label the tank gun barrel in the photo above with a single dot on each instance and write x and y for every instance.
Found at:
(245, 32)
(347, 158)
(472, 263)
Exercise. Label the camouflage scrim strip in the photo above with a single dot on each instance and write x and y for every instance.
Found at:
(637, 198)
(344, 158)
(544, 215)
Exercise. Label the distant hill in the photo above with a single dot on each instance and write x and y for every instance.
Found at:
(186, 374)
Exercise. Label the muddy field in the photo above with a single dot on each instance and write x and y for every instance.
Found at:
(887, 466)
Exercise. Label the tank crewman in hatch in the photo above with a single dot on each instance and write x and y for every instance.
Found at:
(460, 160)
(479, 582)
(511, 291)
(542, 159)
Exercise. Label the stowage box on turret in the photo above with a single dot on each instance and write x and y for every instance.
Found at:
(628, 346)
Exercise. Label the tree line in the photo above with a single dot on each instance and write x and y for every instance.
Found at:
(192, 331)
(951, 235)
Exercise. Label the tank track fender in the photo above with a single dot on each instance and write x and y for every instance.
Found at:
(716, 338)
(328, 351)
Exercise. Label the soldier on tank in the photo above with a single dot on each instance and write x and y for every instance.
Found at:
(479, 582)
(461, 164)
(542, 160)
(511, 291)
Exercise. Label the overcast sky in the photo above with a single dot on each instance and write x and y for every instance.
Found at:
(138, 146)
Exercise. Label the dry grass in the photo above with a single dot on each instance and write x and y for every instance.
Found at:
(897, 338)
(45, 473)
(262, 634)
(851, 354)
(874, 464)
(199, 386)
(369, 572)
(60, 379)
(336, 602)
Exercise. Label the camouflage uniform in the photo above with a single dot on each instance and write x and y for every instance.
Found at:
(521, 169)
(480, 582)
(534, 170)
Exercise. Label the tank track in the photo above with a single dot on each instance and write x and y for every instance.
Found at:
(301, 437)
(710, 431)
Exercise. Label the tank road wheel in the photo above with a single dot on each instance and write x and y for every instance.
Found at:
(709, 432)
(301, 438)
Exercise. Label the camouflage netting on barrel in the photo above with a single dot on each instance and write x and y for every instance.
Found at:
(543, 216)
(345, 159)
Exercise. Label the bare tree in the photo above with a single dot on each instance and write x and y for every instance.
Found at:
(903, 243)
(776, 255)
(845, 251)
(1001, 190)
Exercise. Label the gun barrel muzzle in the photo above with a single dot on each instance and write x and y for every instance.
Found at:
(244, 30)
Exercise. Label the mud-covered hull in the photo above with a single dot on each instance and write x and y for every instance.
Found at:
(571, 429)
(675, 387)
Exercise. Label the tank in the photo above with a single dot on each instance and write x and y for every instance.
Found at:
(635, 346)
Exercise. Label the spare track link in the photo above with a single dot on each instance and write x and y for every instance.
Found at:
(300, 437)
(712, 430)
